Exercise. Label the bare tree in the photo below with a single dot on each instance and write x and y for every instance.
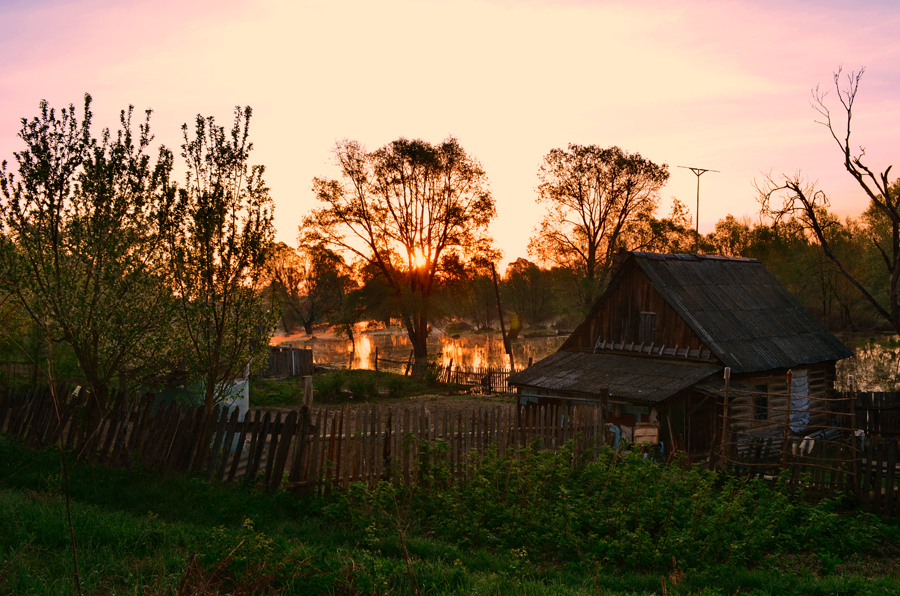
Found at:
(794, 197)
(593, 194)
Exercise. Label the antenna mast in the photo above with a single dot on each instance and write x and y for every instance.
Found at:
(698, 172)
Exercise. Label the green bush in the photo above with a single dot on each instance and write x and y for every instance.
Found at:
(362, 386)
(329, 386)
(619, 510)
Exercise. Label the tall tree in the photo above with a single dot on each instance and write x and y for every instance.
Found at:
(220, 251)
(409, 211)
(790, 196)
(592, 195)
(83, 252)
(528, 292)
(308, 282)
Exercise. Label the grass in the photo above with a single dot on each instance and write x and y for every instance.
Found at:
(345, 387)
(546, 525)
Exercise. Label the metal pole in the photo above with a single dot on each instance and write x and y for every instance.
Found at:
(698, 172)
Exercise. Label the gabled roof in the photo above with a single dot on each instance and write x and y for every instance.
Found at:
(630, 377)
(740, 311)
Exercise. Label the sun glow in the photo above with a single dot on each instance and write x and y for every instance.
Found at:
(418, 260)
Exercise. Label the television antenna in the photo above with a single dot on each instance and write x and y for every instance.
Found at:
(698, 172)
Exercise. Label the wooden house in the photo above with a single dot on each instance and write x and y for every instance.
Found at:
(659, 339)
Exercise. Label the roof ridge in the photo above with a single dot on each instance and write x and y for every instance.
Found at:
(658, 256)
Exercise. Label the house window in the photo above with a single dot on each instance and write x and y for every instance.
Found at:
(761, 403)
(646, 328)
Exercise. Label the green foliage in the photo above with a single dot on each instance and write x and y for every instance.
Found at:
(141, 533)
(621, 511)
(82, 251)
(281, 392)
(328, 387)
(219, 254)
(362, 386)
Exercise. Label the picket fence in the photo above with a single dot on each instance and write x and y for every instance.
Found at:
(302, 450)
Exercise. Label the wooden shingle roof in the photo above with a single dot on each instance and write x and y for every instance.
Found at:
(740, 311)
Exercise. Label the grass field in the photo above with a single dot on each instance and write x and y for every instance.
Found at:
(543, 524)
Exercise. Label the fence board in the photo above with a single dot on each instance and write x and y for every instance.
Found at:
(371, 443)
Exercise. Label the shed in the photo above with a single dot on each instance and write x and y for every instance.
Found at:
(662, 333)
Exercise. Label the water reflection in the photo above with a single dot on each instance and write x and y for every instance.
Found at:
(470, 350)
(875, 366)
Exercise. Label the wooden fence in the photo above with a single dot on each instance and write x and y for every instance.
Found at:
(301, 449)
(841, 452)
(289, 362)
(482, 380)
(877, 413)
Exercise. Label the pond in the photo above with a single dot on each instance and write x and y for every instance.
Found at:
(469, 350)
(875, 366)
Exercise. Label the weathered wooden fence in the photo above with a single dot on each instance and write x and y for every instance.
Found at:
(483, 380)
(289, 362)
(877, 413)
(300, 449)
(838, 451)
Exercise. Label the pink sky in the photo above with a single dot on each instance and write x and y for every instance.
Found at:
(719, 85)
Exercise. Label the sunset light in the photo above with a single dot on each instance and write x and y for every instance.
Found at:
(724, 86)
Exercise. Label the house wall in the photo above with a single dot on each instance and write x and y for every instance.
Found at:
(821, 386)
(617, 318)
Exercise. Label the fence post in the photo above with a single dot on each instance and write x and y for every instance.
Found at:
(307, 391)
(787, 418)
(376, 358)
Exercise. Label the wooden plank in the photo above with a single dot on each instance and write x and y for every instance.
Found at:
(386, 449)
(316, 442)
(258, 446)
(216, 454)
(170, 419)
(405, 444)
(186, 441)
(228, 445)
(200, 452)
(890, 493)
(42, 421)
(130, 412)
(114, 418)
(878, 477)
(289, 427)
(242, 429)
(299, 447)
(273, 436)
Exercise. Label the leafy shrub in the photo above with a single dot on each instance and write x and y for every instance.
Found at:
(362, 386)
(329, 386)
(619, 510)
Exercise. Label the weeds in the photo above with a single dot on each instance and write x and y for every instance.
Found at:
(540, 523)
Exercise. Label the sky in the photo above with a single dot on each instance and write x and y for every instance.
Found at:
(718, 85)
